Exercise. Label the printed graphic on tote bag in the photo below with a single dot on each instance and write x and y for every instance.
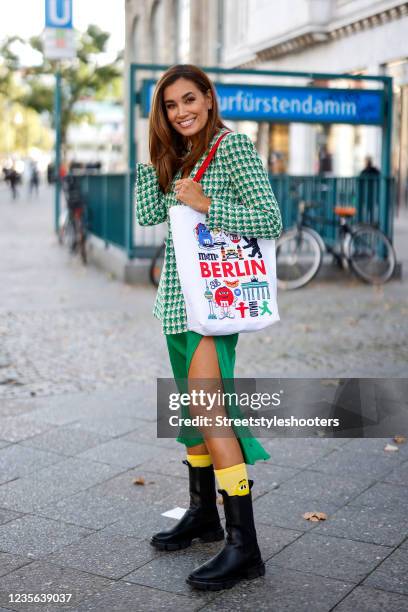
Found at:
(234, 275)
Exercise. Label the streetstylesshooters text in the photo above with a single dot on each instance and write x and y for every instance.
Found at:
(254, 401)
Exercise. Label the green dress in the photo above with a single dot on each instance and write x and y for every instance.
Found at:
(181, 350)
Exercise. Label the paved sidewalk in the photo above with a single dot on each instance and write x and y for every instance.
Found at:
(79, 354)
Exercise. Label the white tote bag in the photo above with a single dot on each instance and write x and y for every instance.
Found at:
(228, 281)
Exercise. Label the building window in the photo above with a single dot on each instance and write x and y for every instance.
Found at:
(157, 31)
(238, 24)
(175, 30)
(135, 39)
(184, 31)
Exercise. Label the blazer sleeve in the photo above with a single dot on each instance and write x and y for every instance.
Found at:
(149, 198)
(254, 211)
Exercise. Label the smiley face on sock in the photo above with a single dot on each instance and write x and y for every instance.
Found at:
(242, 487)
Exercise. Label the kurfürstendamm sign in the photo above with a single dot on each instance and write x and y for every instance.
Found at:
(287, 104)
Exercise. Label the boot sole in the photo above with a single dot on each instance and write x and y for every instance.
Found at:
(248, 574)
(210, 536)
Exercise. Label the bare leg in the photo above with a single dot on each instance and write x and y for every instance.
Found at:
(199, 449)
(224, 451)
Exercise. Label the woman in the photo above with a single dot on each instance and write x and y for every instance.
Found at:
(236, 197)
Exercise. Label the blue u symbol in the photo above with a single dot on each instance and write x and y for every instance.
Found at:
(59, 14)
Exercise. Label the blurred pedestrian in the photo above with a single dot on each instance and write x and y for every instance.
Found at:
(13, 179)
(369, 168)
(369, 190)
(325, 161)
(34, 179)
(63, 170)
(50, 174)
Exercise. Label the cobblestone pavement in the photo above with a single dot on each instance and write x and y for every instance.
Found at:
(79, 354)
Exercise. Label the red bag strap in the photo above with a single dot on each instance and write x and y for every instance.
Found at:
(209, 157)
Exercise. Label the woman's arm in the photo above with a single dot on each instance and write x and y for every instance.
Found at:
(150, 204)
(257, 214)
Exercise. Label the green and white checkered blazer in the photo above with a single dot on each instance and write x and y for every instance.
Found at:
(242, 202)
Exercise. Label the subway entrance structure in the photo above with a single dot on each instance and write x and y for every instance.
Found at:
(111, 197)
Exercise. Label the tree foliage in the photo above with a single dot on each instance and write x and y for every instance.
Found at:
(9, 64)
(21, 129)
(84, 77)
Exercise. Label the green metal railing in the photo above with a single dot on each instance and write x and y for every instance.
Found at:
(110, 217)
(373, 198)
(105, 196)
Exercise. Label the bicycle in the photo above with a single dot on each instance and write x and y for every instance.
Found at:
(363, 248)
(156, 264)
(73, 221)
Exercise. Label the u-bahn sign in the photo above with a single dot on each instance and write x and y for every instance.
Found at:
(58, 14)
(291, 104)
(58, 34)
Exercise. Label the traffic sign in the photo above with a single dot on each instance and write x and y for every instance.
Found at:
(58, 14)
(59, 43)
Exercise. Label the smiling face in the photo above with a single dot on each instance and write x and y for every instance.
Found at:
(186, 107)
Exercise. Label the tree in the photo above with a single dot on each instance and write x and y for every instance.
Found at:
(20, 128)
(9, 64)
(82, 78)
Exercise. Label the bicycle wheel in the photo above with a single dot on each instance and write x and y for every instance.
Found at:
(371, 254)
(81, 234)
(69, 234)
(82, 244)
(156, 265)
(298, 258)
(62, 226)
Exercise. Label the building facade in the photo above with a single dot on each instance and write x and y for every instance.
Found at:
(336, 36)
(170, 32)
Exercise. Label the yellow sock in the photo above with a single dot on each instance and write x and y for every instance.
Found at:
(199, 460)
(234, 479)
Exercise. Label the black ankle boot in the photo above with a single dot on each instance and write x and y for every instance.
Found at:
(201, 520)
(240, 557)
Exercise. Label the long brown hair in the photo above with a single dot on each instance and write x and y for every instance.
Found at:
(168, 152)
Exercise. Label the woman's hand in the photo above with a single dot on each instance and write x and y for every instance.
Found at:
(191, 193)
